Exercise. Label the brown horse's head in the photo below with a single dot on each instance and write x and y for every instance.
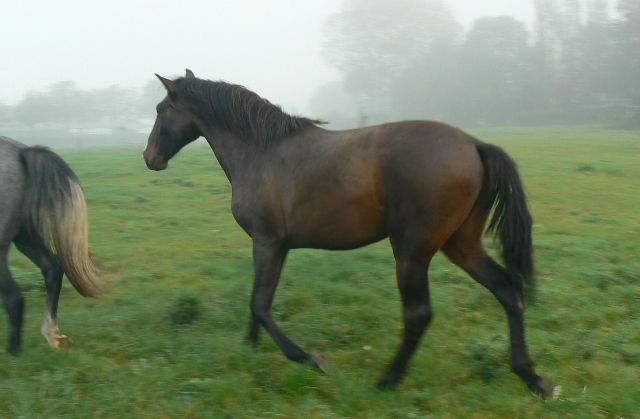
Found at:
(174, 128)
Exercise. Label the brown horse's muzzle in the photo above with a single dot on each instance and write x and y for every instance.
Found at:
(154, 162)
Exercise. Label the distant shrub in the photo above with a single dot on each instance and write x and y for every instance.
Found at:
(630, 358)
(184, 310)
(488, 359)
(586, 168)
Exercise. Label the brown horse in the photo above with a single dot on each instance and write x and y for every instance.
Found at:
(424, 185)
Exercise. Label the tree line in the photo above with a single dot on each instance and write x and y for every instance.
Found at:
(65, 105)
(580, 63)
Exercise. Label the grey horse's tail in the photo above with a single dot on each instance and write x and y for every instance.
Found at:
(56, 212)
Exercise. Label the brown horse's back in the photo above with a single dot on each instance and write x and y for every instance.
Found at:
(355, 187)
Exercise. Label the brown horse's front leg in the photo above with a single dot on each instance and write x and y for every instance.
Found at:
(268, 259)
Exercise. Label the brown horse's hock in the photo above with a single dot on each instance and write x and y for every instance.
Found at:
(425, 185)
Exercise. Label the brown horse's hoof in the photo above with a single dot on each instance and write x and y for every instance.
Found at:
(251, 341)
(318, 361)
(542, 387)
(387, 382)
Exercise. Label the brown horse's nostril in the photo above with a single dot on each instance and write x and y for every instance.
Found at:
(155, 163)
(145, 157)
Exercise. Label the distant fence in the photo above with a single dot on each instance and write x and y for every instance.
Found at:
(59, 138)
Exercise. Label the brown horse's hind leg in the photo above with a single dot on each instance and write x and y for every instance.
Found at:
(412, 277)
(35, 250)
(13, 302)
(465, 250)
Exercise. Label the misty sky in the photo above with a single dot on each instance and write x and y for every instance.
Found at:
(271, 46)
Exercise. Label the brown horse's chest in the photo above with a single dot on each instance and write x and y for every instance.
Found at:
(255, 211)
(241, 211)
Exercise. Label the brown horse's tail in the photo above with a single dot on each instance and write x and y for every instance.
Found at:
(511, 220)
(56, 211)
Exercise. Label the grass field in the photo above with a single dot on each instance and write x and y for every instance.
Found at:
(168, 341)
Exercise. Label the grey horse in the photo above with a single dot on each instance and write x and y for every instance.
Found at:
(43, 212)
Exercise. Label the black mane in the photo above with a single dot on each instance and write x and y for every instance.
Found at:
(237, 109)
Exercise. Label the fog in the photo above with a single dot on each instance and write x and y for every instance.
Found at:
(87, 68)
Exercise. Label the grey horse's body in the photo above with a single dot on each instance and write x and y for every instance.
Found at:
(12, 179)
(43, 212)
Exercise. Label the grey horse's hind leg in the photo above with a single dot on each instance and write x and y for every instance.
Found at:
(13, 302)
(34, 249)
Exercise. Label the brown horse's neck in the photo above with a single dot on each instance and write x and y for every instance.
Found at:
(235, 155)
(242, 159)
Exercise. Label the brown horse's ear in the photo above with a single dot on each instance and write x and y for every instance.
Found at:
(168, 84)
(189, 74)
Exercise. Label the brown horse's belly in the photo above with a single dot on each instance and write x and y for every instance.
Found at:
(337, 228)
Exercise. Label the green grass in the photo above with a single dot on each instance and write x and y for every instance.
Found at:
(168, 341)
